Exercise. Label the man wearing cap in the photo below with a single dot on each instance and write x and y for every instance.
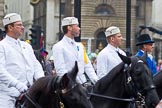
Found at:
(67, 51)
(146, 45)
(108, 58)
(18, 64)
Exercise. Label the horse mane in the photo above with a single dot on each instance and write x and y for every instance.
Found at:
(107, 79)
(41, 92)
(41, 84)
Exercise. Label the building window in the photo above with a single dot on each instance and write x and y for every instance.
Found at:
(140, 9)
(101, 41)
(137, 11)
(62, 8)
(104, 9)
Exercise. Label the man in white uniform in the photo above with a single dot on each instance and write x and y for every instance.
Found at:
(67, 51)
(18, 64)
(108, 58)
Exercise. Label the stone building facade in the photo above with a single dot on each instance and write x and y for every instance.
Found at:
(96, 16)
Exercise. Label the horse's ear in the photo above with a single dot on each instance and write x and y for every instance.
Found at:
(74, 72)
(65, 79)
(144, 56)
(70, 75)
(125, 59)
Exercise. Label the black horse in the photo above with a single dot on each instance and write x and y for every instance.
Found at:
(125, 85)
(58, 92)
(158, 83)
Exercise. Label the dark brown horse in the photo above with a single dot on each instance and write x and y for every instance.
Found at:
(58, 92)
(125, 85)
(158, 83)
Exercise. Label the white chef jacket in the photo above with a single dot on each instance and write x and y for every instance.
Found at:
(107, 59)
(65, 53)
(16, 65)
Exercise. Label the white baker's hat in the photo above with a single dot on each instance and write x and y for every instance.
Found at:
(69, 21)
(112, 30)
(10, 18)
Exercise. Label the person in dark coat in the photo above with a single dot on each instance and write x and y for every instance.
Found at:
(145, 44)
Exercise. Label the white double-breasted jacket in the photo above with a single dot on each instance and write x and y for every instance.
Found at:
(107, 59)
(65, 53)
(17, 65)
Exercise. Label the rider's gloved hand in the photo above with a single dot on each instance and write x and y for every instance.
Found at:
(21, 87)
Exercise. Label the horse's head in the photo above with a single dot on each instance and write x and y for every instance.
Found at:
(142, 79)
(58, 91)
(71, 93)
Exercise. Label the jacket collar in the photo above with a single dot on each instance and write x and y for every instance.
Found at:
(112, 47)
(12, 40)
(69, 40)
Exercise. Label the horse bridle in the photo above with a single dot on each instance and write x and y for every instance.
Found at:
(63, 91)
